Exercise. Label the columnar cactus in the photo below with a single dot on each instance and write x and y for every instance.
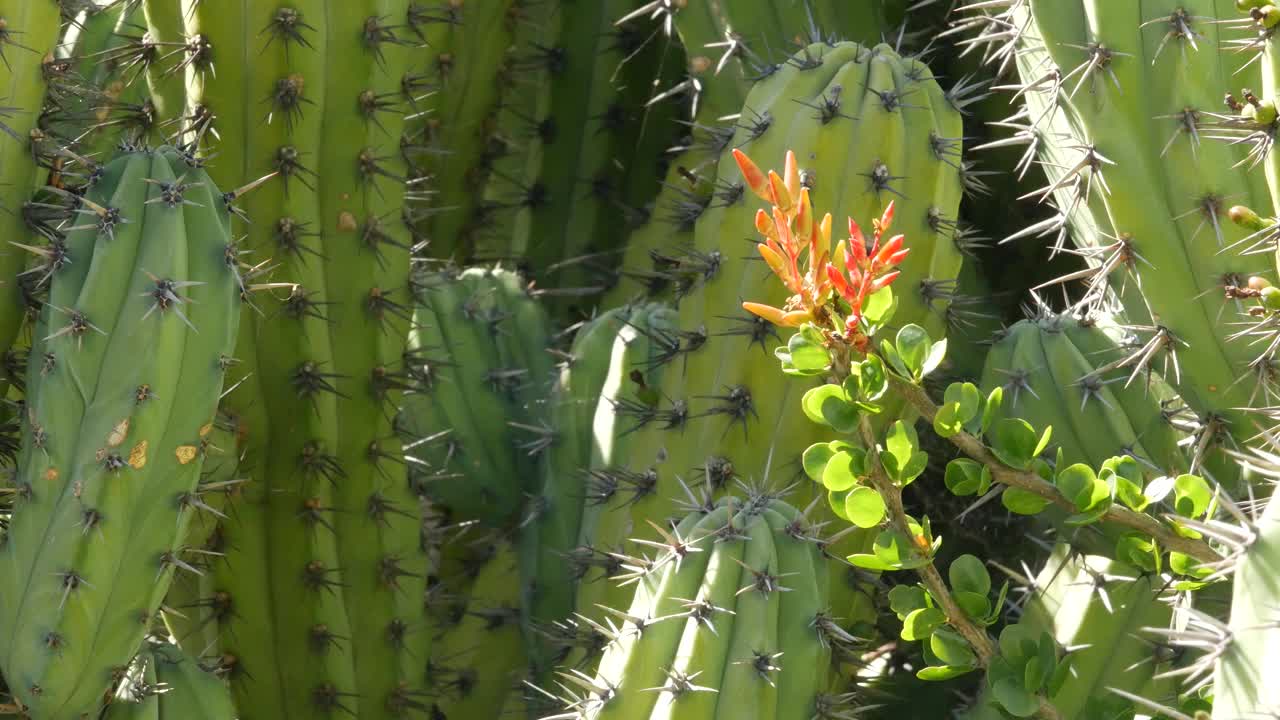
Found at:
(1117, 98)
(28, 36)
(323, 578)
(1244, 680)
(165, 683)
(132, 344)
(1064, 373)
(727, 621)
(479, 659)
(479, 344)
(1100, 613)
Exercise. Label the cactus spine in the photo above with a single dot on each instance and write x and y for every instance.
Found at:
(115, 437)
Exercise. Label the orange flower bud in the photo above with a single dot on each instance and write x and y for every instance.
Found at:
(752, 175)
(781, 197)
(791, 173)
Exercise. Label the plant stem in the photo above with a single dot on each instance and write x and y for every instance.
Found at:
(892, 494)
(1033, 483)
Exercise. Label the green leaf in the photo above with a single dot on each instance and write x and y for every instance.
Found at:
(997, 606)
(870, 378)
(1044, 441)
(1014, 442)
(864, 506)
(844, 469)
(835, 498)
(1139, 551)
(974, 605)
(966, 397)
(879, 306)
(902, 459)
(936, 673)
(1191, 496)
(807, 355)
(891, 356)
(815, 460)
(912, 344)
(951, 648)
(1187, 565)
(992, 408)
(963, 476)
(1076, 483)
(937, 353)
(947, 422)
(968, 574)
(872, 562)
(1014, 698)
(1021, 502)
(920, 624)
(903, 599)
(828, 405)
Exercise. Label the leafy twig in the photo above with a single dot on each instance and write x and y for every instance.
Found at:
(1033, 483)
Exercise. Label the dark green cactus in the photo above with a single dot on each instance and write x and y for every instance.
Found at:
(165, 683)
(480, 345)
(478, 658)
(133, 343)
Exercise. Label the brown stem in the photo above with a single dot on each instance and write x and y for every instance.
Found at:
(1033, 483)
(892, 494)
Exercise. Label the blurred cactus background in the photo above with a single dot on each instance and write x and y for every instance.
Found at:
(639, 359)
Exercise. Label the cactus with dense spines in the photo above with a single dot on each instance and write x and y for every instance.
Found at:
(1118, 100)
(480, 347)
(1100, 613)
(728, 621)
(1061, 372)
(114, 435)
(165, 683)
(322, 584)
(614, 364)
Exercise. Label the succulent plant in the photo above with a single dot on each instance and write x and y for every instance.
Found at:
(164, 683)
(480, 347)
(133, 344)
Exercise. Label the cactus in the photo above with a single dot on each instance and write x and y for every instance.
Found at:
(480, 346)
(28, 36)
(479, 659)
(166, 684)
(155, 270)
(727, 622)
(1145, 205)
(1101, 615)
(322, 559)
(1244, 675)
(1062, 373)
(462, 80)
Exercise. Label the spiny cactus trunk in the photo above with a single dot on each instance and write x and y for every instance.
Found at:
(1118, 100)
(319, 599)
(132, 346)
